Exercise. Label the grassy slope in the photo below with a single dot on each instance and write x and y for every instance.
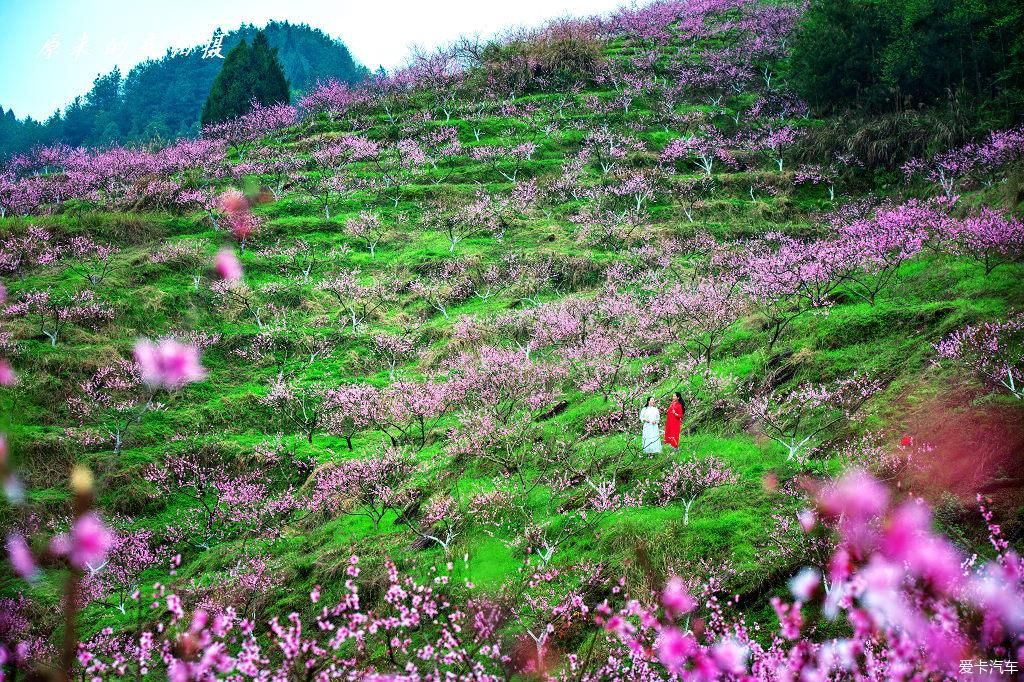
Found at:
(934, 295)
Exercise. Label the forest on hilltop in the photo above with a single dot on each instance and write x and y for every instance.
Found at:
(350, 388)
(161, 99)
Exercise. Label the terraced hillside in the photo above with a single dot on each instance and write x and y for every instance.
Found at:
(428, 312)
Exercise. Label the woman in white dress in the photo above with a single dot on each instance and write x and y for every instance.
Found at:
(650, 416)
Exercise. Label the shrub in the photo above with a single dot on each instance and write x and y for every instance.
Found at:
(558, 56)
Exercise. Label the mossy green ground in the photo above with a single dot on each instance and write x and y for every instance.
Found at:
(933, 295)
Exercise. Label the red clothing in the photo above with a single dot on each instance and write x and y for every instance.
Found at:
(673, 422)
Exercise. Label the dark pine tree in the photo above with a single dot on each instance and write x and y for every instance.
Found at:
(270, 86)
(250, 73)
(228, 96)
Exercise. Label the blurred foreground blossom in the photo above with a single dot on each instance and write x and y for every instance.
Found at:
(228, 266)
(7, 375)
(87, 543)
(21, 557)
(168, 364)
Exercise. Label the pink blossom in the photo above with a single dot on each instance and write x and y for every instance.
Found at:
(804, 583)
(674, 648)
(233, 201)
(936, 561)
(840, 565)
(857, 497)
(993, 350)
(790, 620)
(90, 540)
(87, 543)
(21, 557)
(908, 524)
(333, 97)
(228, 266)
(168, 364)
(730, 656)
(7, 375)
(676, 598)
(807, 519)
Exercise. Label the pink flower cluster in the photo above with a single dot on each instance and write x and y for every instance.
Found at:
(973, 162)
(168, 363)
(994, 351)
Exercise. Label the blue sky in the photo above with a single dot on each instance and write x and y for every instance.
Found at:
(51, 50)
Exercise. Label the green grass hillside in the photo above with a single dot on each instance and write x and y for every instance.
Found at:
(508, 322)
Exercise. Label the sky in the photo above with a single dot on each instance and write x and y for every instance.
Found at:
(51, 50)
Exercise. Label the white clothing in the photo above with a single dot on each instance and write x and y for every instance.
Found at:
(651, 435)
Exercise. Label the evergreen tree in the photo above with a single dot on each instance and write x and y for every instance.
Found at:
(78, 122)
(249, 73)
(880, 54)
(270, 86)
(227, 98)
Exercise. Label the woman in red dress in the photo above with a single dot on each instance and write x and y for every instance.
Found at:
(674, 420)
